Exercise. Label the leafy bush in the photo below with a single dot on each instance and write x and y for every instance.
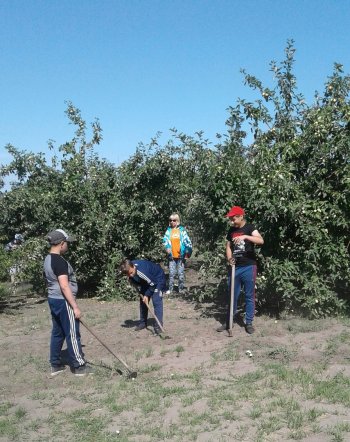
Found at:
(299, 190)
(291, 174)
(5, 292)
(5, 264)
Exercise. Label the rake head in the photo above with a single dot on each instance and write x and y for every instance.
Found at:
(122, 371)
(131, 375)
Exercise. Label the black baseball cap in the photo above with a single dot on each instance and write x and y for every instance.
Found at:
(59, 235)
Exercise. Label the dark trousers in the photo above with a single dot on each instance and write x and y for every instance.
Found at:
(157, 300)
(64, 327)
(244, 277)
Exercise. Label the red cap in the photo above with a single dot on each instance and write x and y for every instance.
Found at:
(235, 210)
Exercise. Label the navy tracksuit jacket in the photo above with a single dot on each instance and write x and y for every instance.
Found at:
(150, 281)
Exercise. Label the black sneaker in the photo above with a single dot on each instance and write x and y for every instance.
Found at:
(57, 369)
(221, 328)
(249, 328)
(157, 331)
(83, 370)
(140, 327)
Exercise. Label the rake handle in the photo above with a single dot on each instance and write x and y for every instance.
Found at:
(104, 345)
(152, 313)
(232, 287)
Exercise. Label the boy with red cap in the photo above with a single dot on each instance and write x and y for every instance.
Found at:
(241, 239)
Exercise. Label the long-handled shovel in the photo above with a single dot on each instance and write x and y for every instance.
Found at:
(155, 317)
(232, 290)
(129, 373)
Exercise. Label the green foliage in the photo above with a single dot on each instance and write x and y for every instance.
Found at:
(29, 261)
(5, 292)
(285, 161)
(299, 187)
(5, 264)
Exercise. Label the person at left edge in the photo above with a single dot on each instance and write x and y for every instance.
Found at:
(62, 290)
(16, 242)
(10, 247)
(149, 279)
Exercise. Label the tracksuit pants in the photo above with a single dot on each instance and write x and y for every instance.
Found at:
(245, 278)
(64, 327)
(157, 300)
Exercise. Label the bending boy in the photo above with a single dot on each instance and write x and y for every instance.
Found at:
(149, 279)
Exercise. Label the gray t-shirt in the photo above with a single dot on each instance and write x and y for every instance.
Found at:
(55, 266)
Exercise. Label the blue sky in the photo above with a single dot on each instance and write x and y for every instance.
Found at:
(143, 66)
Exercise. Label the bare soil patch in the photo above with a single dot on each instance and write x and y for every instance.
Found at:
(198, 385)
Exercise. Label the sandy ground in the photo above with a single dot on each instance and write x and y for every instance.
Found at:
(193, 340)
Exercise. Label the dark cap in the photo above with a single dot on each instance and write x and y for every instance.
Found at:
(59, 235)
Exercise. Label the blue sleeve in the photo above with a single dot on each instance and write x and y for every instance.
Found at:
(166, 240)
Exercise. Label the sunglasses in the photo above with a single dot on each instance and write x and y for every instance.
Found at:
(172, 220)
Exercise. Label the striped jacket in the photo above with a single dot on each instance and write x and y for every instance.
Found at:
(149, 277)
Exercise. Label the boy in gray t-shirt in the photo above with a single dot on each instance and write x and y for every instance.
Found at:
(65, 313)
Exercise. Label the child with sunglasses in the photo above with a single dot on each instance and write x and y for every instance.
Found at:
(178, 247)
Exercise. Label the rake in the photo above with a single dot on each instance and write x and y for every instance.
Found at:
(232, 288)
(155, 317)
(129, 373)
